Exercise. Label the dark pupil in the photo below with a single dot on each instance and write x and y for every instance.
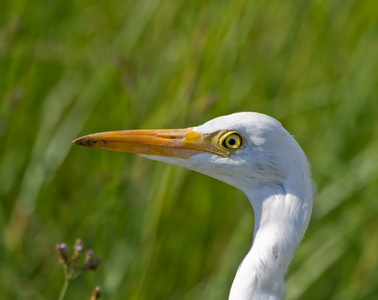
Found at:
(232, 142)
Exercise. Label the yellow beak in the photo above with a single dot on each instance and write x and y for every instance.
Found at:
(181, 143)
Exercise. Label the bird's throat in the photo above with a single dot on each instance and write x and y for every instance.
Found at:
(279, 228)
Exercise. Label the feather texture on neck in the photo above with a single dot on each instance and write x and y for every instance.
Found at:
(282, 213)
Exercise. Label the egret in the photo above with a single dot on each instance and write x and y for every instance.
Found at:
(254, 153)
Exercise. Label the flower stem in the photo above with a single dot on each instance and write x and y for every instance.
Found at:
(65, 285)
(64, 289)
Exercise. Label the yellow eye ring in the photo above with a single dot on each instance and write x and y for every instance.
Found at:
(231, 141)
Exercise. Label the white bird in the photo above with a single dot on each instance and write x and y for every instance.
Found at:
(255, 154)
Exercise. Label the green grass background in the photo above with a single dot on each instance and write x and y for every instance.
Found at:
(70, 68)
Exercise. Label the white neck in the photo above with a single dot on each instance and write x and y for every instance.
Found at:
(282, 214)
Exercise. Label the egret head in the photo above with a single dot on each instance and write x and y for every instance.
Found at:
(254, 153)
(240, 149)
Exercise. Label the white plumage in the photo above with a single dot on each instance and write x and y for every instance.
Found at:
(255, 154)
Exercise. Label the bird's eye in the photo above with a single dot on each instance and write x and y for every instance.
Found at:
(231, 141)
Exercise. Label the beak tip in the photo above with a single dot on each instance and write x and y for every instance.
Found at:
(84, 141)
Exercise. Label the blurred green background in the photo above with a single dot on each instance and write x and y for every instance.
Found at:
(70, 68)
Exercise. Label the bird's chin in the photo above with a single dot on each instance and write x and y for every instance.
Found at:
(198, 163)
(191, 163)
(181, 162)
